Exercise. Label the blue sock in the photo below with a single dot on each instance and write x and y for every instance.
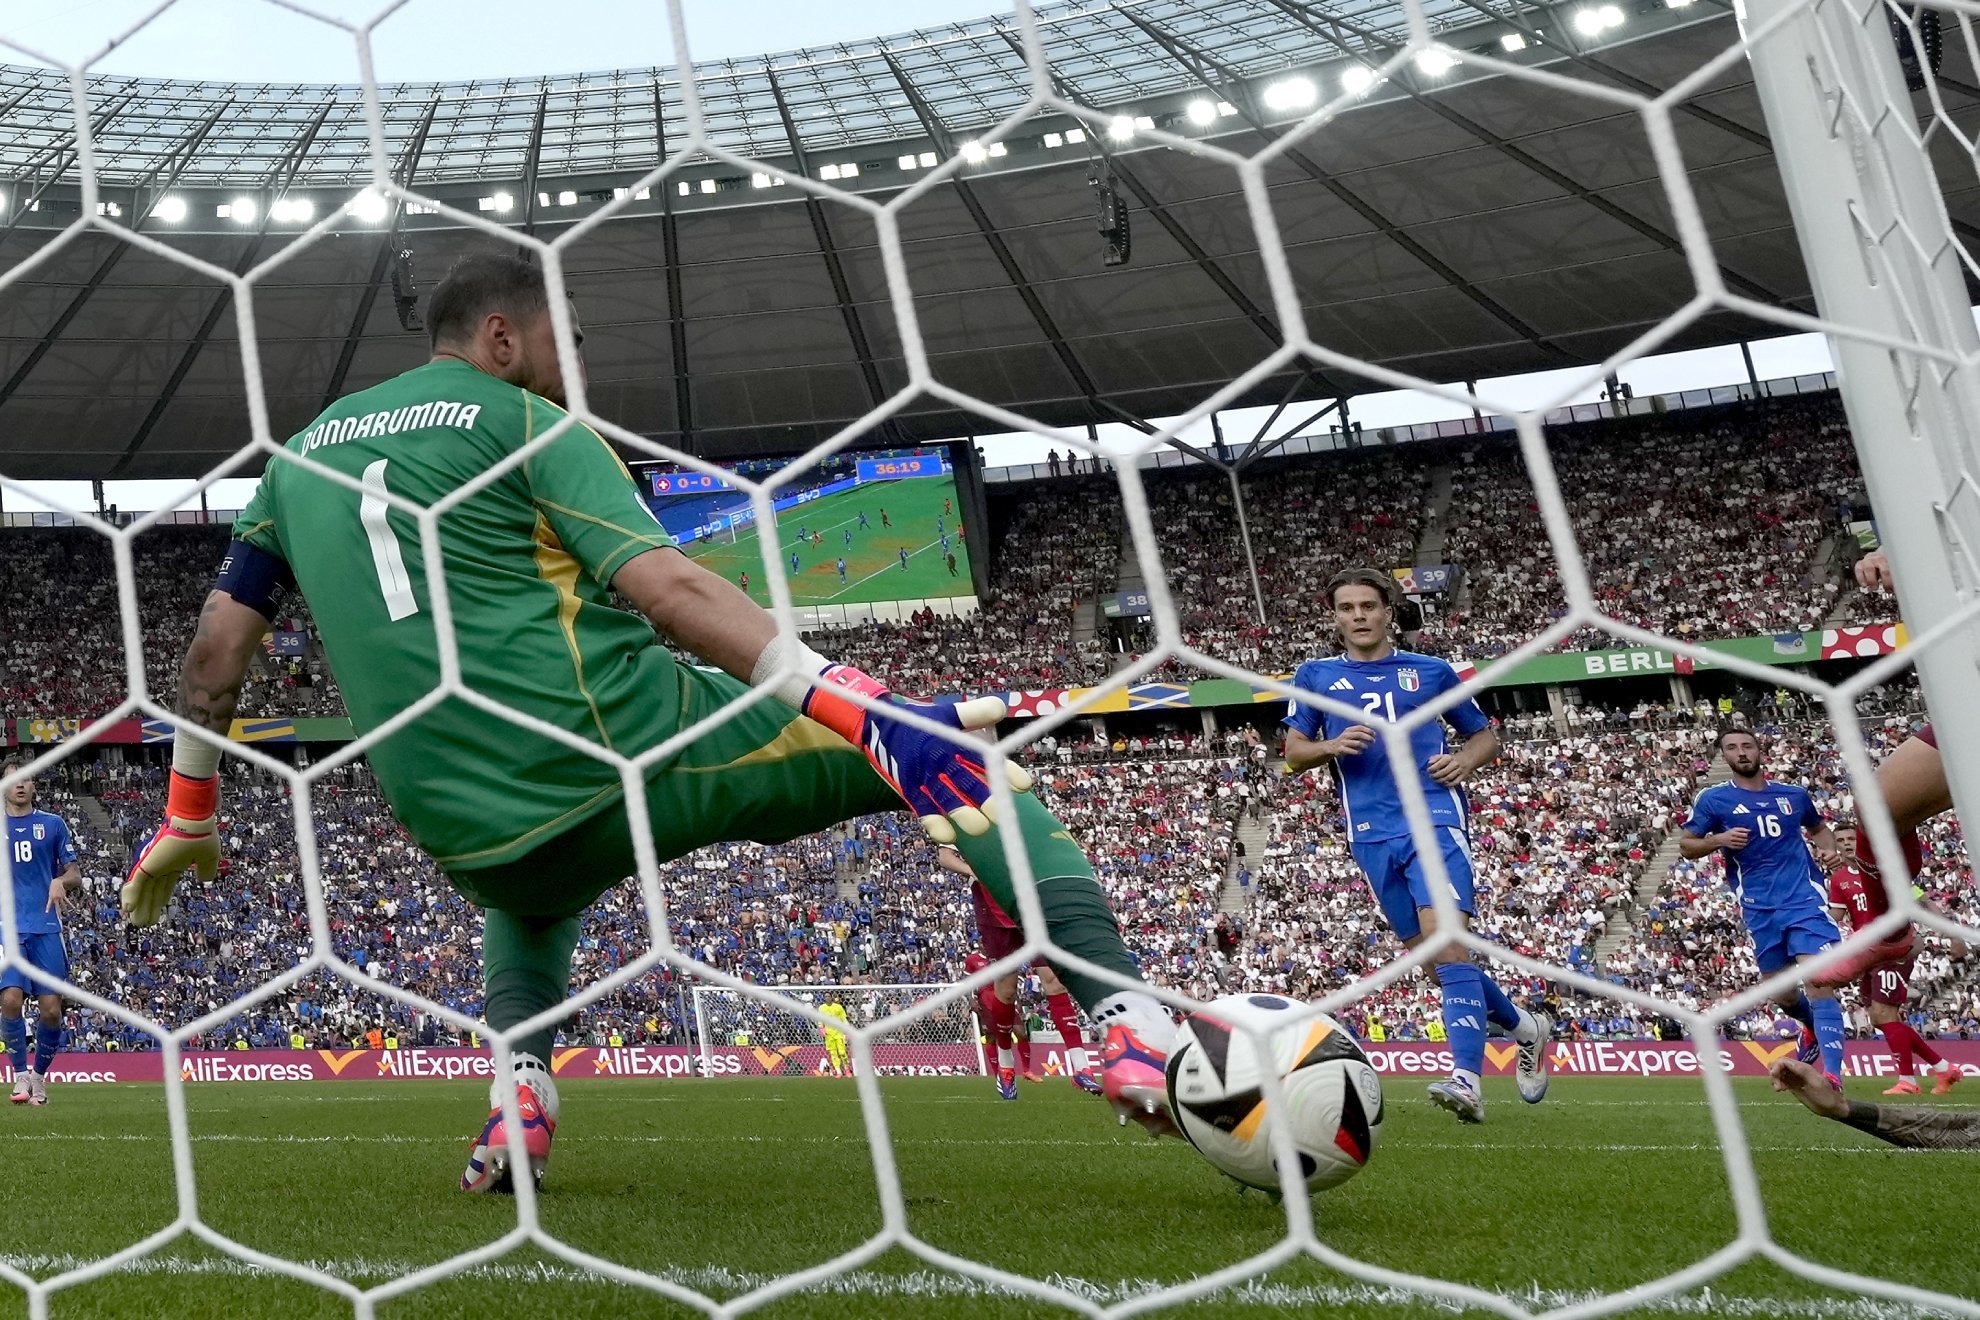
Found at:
(1801, 1010)
(1500, 1010)
(15, 1030)
(47, 1044)
(1464, 1014)
(1829, 1034)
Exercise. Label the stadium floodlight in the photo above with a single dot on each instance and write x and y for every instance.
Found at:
(500, 203)
(1074, 135)
(907, 162)
(1436, 63)
(1595, 20)
(759, 181)
(242, 210)
(1512, 43)
(292, 210)
(368, 207)
(998, 149)
(111, 209)
(1294, 93)
(1356, 79)
(708, 186)
(1676, 4)
(567, 198)
(1120, 128)
(973, 153)
(927, 158)
(1055, 140)
(169, 209)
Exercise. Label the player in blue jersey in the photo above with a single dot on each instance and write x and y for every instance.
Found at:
(42, 858)
(1757, 826)
(1387, 684)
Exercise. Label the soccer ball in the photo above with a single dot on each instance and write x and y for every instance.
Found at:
(1332, 1094)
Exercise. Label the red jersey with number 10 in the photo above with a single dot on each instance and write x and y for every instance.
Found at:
(1862, 899)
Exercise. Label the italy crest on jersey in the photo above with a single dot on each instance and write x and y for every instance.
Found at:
(1786, 805)
(1407, 680)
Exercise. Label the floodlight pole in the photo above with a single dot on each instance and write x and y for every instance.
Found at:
(1872, 225)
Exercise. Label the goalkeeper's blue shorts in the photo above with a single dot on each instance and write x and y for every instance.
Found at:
(1401, 881)
(44, 952)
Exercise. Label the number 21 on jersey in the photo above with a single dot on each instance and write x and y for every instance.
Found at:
(1380, 703)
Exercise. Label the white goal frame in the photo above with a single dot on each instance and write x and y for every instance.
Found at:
(795, 1044)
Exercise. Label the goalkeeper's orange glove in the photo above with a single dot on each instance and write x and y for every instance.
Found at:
(190, 837)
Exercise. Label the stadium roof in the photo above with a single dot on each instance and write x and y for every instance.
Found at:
(838, 96)
(1455, 227)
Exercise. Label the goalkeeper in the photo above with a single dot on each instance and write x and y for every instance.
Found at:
(529, 822)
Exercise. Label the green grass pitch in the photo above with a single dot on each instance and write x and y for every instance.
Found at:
(723, 1185)
(873, 563)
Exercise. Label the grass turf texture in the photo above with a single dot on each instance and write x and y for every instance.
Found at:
(722, 1185)
(873, 563)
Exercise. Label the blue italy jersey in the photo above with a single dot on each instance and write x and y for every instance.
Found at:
(40, 849)
(1386, 689)
(1775, 871)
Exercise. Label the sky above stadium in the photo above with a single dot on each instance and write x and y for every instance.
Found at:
(256, 41)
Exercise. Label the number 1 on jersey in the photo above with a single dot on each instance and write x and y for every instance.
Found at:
(393, 581)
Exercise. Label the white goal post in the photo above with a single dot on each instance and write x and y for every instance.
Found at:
(750, 1035)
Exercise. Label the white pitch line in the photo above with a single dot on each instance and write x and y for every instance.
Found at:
(930, 1284)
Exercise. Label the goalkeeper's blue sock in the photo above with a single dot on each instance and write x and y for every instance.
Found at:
(1802, 1011)
(47, 1044)
(15, 1030)
(1464, 1015)
(1829, 1033)
(1500, 1010)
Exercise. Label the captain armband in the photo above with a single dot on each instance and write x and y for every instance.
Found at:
(254, 577)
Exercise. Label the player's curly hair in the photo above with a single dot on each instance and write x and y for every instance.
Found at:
(480, 283)
(1384, 583)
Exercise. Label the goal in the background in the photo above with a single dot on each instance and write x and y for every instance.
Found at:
(751, 1035)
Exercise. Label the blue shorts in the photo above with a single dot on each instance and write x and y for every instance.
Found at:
(45, 952)
(1781, 936)
(1401, 881)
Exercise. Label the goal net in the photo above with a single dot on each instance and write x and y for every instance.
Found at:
(755, 1034)
(1872, 139)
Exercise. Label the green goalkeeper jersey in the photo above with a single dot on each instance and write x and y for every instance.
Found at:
(527, 559)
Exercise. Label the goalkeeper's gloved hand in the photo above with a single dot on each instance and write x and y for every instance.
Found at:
(190, 837)
(944, 783)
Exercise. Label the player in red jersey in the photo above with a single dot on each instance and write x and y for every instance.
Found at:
(1883, 971)
(1912, 778)
(998, 936)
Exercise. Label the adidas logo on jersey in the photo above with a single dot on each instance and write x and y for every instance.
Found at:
(1342, 685)
(1741, 810)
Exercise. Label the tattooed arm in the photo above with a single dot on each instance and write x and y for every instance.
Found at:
(1920, 1126)
(216, 663)
(209, 689)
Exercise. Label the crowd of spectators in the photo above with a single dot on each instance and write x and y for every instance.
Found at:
(1693, 525)
(1563, 831)
(61, 640)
